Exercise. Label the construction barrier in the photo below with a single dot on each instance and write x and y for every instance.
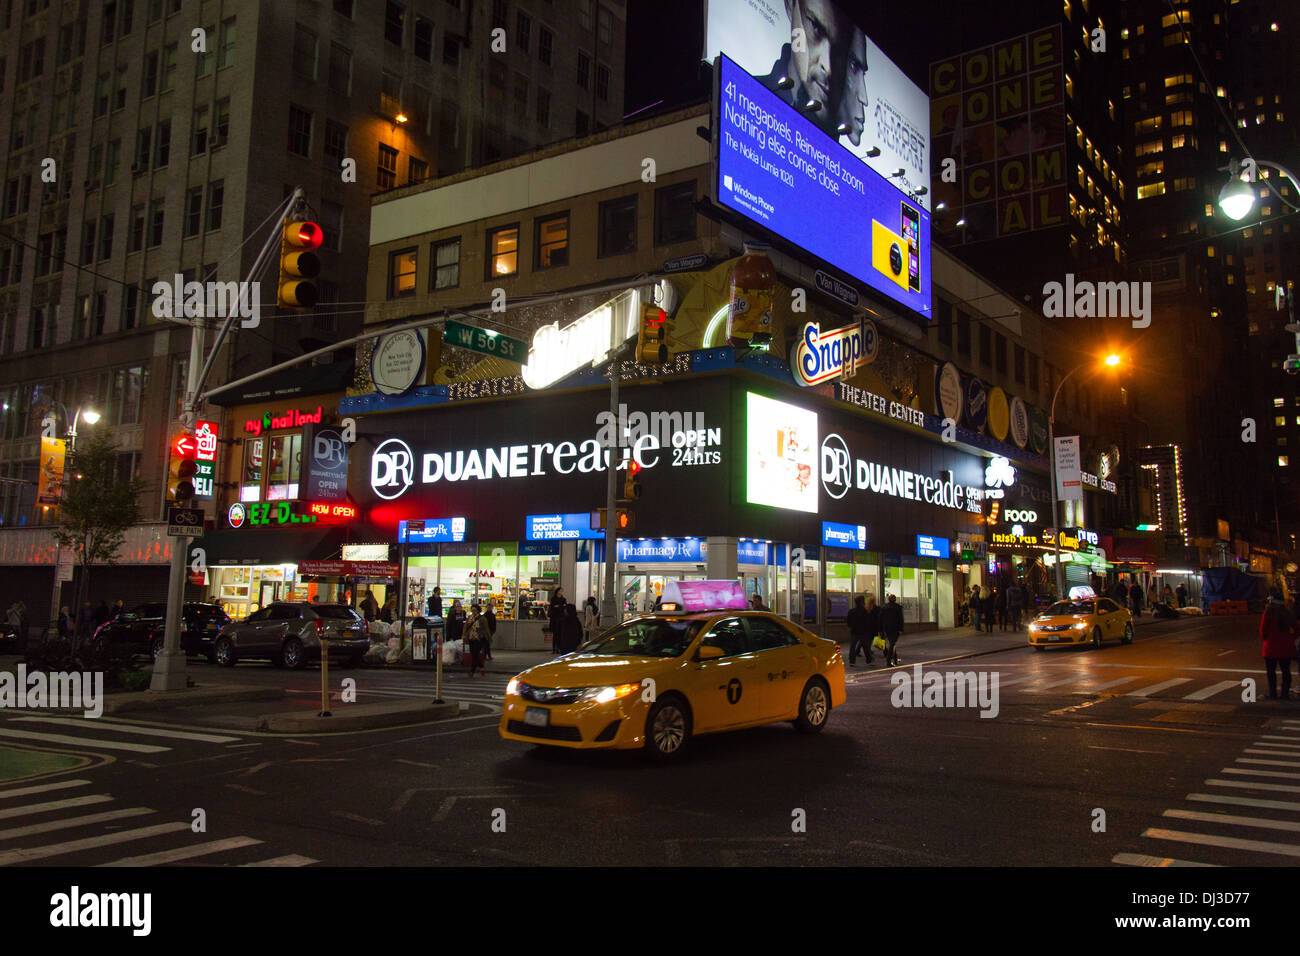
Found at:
(1229, 607)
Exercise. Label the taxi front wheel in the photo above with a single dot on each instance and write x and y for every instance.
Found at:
(814, 707)
(667, 728)
(1128, 634)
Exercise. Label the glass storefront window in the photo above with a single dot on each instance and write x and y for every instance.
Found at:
(282, 477)
(866, 578)
(251, 486)
(539, 575)
(839, 589)
(496, 577)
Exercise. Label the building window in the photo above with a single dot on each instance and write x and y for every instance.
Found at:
(106, 237)
(199, 132)
(340, 80)
(424, 39)
(605, 22)
(446, 265)
(394, 22)
(401, 273)
(31, 60)
(617, 227)
(131, 300)
(584, 71)
(417, 171)
(149, 79)
(168, 80)
(216, 202)
(304, 51)
(136, 241)
(675, 218)
(221, 123)
(523, 30)
(503, 251)
(1000, 352)
(143, 142)
(126, 399)
(226, 54)
(387, 173)
(602, 82)
(390, 95)
(87, 242)
(521, 97)
(551, 242)
(499, 14)
(193, 212)
(36, 331)
(986, 345)
(336, 143)
(1152, 189)
(299, 140)
(157, 211)
(545, 45)
(331, 221)
(163, 145)
(119, 89)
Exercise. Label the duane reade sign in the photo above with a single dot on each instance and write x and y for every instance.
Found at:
(558, 352)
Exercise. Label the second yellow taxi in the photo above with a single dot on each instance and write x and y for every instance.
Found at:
(1084, 619)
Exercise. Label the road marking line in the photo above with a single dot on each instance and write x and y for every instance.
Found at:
(357, 818)
(416, 763)
(1271, 753)
(292, 859)
(1148, 691)
(1276, 740)
(185, 852)
(1261, 822)
(1251, 785)
(1262, 773)
(256, 767)
(1128, 750)
(243, 789)
(1269, 763)
(1244, 801)
(43, 788)
(133, 729)
(1056, 683)
(72, 822)
(1224, 653)
(107, 839)
(11, 812)
(1208, 692)
(88, 742)
(1109, 684)
(1141, 859)
(1232, 843)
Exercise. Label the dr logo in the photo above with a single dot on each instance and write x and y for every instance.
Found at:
(836, 477)
(392, 469)
(734, 690)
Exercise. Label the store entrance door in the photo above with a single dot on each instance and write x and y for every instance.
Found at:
(269, 591)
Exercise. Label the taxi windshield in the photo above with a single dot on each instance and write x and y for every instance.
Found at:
(649, 637)
(1062, 608)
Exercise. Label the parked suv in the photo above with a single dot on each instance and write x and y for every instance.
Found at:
(144, 627)
(288, 634)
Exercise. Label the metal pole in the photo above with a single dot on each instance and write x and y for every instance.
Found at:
(324, 678)
(1056, 529)
(437, 672)
(53, 630)
(610, 612)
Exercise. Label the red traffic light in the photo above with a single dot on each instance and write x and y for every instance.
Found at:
(634, 467)
(304, 235)
(184, 446)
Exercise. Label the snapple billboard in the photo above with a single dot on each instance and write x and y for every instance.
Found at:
(778, 169)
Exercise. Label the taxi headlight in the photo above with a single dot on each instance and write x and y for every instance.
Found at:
(512, 689)
(603, 695)
(1035, 626)
(1081, 626)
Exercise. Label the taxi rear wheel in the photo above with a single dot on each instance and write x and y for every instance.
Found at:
(1096, 637)
(814, 707)
(667, 727)
(1128, 634)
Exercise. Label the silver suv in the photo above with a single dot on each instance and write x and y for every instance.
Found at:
(289, 634)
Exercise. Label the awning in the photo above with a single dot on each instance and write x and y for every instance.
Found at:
(255, 546)
(351, 569)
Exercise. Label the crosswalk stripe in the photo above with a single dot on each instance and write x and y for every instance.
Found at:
(1206, 693)
(43, 788)
(1013, 680)
(8, 857)
(1242, 771)
(36, 828)
(1164, 684)
(134, 729)
(1265, 751)
(1269, 763)
(1142, 859)
(84, 742)
(1109, 684)
(1231, 843)
(1056, 683)
(1274, 740)
(1252, 785)
(293, 859)
(10, 812)
(1244, 801)
(1260, 822)
(185, 852)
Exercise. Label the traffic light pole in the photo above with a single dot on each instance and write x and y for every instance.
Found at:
(609, 609)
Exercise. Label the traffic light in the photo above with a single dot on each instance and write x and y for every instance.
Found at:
(632, 482)
(650, 347)
(181, 469)
(624, 520)
(298, 262)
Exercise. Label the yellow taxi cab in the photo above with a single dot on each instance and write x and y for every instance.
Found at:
(1083, 619)
(702, 663)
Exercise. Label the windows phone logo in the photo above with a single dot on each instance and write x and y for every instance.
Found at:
(726, 181)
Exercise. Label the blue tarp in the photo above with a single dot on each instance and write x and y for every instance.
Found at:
(1230, 584)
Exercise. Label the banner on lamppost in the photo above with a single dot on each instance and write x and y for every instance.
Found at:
(1069, 478)
(49, 486)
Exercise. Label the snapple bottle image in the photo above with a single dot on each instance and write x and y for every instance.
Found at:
(753, 285)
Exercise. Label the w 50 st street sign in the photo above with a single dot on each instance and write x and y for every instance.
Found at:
(488, 343)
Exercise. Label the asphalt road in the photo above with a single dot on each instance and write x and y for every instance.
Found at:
(1126, 755)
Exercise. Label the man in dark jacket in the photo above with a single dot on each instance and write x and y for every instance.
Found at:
(490, 618)
(1181, 594)
(1135, 599)
(555, 616)
(861, 631)
(891, 624)
(976, 608)
(435, 603)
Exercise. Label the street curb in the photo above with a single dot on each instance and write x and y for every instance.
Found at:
(167, 699)
(359, 717)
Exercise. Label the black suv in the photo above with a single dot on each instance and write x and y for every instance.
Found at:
(143, 628)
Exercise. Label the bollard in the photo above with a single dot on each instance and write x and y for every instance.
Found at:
(437, 679)
(324, 678)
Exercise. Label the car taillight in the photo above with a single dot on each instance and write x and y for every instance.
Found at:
(320, 628)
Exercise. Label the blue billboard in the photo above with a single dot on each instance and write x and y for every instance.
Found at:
(836, 535)
(559, 527)
(434, 530)
(778, 169)
(930, 547)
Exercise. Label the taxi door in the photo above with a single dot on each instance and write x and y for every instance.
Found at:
(723, 692)
(784, 666)
(1111, 625)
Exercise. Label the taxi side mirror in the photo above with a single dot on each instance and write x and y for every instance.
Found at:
(708, 652)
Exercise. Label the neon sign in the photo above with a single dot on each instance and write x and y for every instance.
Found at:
(292, 418)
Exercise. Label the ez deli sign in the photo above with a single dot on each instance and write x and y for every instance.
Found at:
(840, 472)
(393, 465)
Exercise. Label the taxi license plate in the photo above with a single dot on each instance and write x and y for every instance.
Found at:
(537, 716)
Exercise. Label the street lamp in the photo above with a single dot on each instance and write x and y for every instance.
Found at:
(90, 417)
(1237, 198)
(1111, 361)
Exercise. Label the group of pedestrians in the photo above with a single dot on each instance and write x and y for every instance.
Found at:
(568, 630)
(1003, 606)
(867, 621)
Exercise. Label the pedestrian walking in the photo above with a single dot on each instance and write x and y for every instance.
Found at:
(1015, 604)
(435, 603)
(891, 625)
(976, 607)
(590, 614)
(571, 635)
(476, 639)
(986, 603)
(490, 618)
(863, 620)
(1135, 598)
(455, 621)
(369, 606)
(1000, 606)
(65, 623)
(1181, 594)
(555, 614)
(1277, 630)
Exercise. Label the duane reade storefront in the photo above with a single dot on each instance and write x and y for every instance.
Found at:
(743, 476)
